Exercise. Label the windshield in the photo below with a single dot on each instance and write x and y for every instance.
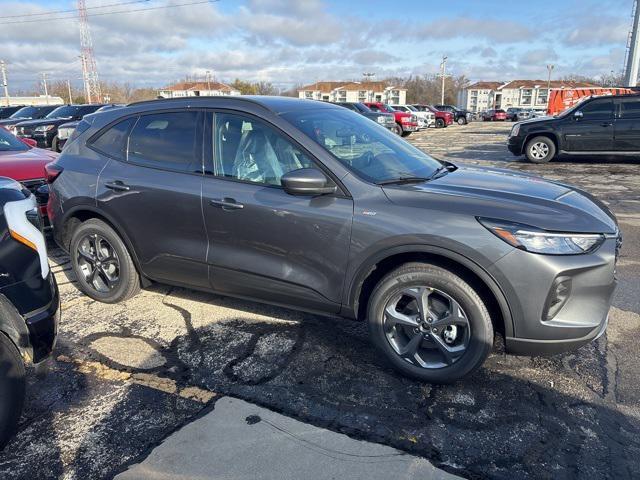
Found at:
(64, 111)
(9, 143)
(412, 108)
(25, 112)
(371, 151)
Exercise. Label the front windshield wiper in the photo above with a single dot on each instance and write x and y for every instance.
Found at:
(401, 180)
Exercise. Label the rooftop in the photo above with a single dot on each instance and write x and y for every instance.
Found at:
(327, 87)
(198, 86)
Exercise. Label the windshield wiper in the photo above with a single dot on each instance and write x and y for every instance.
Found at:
(401, 180)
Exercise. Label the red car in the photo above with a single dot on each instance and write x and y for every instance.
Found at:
(494, 115)
(443, 119)
(20, 161)
(405, 122)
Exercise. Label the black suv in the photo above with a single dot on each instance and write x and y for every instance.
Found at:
(605, 125)
(45, 130)
(6, 112)
(28, 113)
(460, 116)
(310, 205)
(29, 302)
(387, 120)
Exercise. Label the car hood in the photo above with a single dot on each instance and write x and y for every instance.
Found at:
(12, 121)
(507, 195)
(26, 165)
(44, 121)
(536, 120)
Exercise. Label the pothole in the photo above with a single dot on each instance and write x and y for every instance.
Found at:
(130, 352)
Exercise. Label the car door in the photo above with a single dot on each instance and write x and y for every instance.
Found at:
(151, 188)
(626, 137)
(263, 242)
(590, 128)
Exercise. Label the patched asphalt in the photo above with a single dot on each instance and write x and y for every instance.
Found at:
(125, 376)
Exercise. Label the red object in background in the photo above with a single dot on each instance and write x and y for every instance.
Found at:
(446, 116)
(560, 100)
(402, 118)
(30, 142)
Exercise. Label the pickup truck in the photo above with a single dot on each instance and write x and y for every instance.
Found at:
(405, 122)
(443, 119)
(461, 117)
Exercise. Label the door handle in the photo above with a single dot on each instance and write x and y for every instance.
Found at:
(226, 203)
(607, 124)
(118, 186)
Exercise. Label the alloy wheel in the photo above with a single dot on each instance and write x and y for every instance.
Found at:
(98, 262)
(426, 327)
(539, 150)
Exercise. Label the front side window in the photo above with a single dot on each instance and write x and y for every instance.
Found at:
(598, 110)
(249, 150)
(369, 150)
(166, 140)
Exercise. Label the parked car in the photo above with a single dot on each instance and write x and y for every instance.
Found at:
(387, 120)
(29, 301)
(45, 130)
(443, 119)
(426, 119)
(494, 115)
(66, 129)
(309, 205)
(516, 113)
(25, 164)
(28, 113)
(6, 112)
(405, 122)
(597, 126)
(460, 115)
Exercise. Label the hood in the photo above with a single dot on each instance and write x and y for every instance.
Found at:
(535, 120)
(12, 121)
(26, 165)
(507, 195)
(44, 121)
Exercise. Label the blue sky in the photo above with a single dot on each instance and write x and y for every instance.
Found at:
(290, 42)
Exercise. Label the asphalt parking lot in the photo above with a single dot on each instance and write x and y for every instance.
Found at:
(126, 376)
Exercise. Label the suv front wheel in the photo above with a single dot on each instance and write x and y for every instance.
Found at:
(12, 388)
(429, 323)
(102, 263)
(540, 150)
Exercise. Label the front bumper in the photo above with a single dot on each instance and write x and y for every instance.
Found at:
(43, 324)
(514, 144)
(584, 315)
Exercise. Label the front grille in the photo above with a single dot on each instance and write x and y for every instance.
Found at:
(33, 186)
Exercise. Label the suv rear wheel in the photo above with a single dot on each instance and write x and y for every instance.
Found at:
(102, 263)
(540, 150)
(440, 123)
(462, 121)
(429, 323)
(12, 388)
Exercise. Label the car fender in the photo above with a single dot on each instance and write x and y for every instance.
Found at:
(365, 268)
(14, 327)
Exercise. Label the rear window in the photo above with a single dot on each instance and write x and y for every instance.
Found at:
(629, 108)
(111, 142)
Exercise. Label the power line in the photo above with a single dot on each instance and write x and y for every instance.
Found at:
(74, 17)
(73, 10)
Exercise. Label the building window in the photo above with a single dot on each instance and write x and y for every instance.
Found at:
(308, 95)
(362, 95)
(342, 95)
(525, 96)
(543, 96)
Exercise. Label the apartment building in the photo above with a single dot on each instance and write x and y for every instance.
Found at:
(354, 92)
(197, 89)
(531, 94)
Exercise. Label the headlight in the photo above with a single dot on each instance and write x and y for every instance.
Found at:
(64, 133)
(535, 240)
(515, 130)
(43, 128)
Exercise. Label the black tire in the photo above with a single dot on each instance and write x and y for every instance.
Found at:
(128, 280)
(54, 145)
(535, 148)
(462, 121)
(440, 123)
(12, 389)
(480, 339)
(398, 130)
(405, 133)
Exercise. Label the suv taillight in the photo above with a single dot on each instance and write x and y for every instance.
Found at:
(51, 171)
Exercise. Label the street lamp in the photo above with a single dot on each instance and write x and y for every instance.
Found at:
(550, 68)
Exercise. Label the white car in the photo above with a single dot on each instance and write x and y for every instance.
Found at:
(425, 119)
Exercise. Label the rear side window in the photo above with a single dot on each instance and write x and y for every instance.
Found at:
(598, 110)
(630, 108)
(167, 141)
(113, 141)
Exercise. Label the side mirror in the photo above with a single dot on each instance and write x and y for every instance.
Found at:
(307, 181)
(578, 115)
(30, 142)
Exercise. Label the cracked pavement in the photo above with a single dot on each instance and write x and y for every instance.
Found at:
(125, 376)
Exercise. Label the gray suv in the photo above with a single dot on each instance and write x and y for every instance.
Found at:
(311, 206)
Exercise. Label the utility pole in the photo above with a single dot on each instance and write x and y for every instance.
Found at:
(44, 83)
(632, 61)
(208, 75)
(69, 90)
(368, 76)
(550, 68)
(4, 81)
(443, 73)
